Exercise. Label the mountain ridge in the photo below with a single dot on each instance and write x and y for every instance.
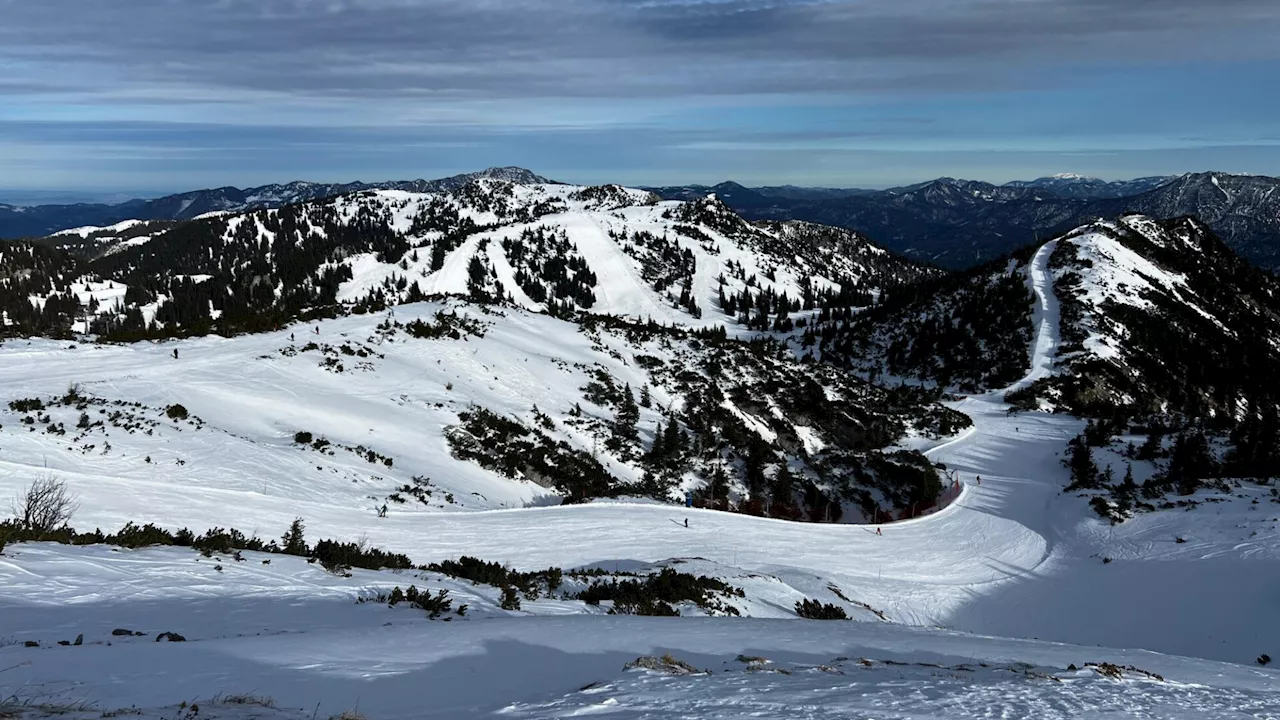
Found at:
(946, 221)
(960, 223)
(41, 220)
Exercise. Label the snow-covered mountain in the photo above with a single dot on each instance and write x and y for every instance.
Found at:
(1073, 185)
(665, 279)
(1173, 319)
(1243, 210)
(953, 223)
(506, 415)
(1012, 596)
(487, 423)
(1163, 317)
(460, 407)
(185, 206)
(1163, 330)
(559, 249)
(40, 220)
(960, 224)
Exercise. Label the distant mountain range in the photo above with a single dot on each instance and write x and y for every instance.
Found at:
(1071, 185)
(962, 223)
(1065, 185)
(949, 222)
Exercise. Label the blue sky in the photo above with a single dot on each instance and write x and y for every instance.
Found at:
(137, 96)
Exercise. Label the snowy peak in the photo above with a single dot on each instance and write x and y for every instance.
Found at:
(952, 193)
(1160, 317)
(516, 175)
(512, 174)
(1082, 187)
(16, 222)
(190, 205)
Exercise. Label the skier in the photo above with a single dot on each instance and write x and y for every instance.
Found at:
(979, 479)
(382, 511)
(290, 337)
(686, 522)
(175, 353)
(878, 532)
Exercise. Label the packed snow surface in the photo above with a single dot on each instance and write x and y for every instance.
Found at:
(1012, 557)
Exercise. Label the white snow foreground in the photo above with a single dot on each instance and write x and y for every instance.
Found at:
(555, 667)
(287, 641)
(1012, 557)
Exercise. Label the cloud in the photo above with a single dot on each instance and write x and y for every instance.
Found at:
(428, 51)
(310, 84)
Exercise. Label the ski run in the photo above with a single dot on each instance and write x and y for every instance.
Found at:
(1013, 601)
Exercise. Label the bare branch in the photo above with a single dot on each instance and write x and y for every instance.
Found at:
(46, 504)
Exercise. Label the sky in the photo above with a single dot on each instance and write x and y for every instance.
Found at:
(154, 96)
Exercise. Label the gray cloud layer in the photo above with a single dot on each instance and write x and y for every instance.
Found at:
(184, 93)
(162, 50)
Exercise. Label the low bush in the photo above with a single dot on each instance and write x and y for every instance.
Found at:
(818, 610)
(532, 584)
(331, 552)
(26, 405)
(434, 605)
(217, 540)
(657, 594)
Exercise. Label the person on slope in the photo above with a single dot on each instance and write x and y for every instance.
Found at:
(878, 532)
(175, 353)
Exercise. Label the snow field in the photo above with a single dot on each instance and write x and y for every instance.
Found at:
(1013, 557)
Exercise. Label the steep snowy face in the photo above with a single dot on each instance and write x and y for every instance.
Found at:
(1160, 317)
(558, 249)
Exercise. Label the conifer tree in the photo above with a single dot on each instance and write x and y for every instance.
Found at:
(658, 451)
(1127, 484)
(1151, 448)
(624, 422)
(294, 543)
(1084, 472)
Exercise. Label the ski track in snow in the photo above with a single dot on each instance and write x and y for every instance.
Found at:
(1011, 557)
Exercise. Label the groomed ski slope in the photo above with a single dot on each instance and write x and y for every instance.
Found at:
(1012, 557)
